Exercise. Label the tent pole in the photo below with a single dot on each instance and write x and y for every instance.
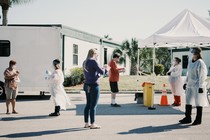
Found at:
(138, 63)
(171, 55)
(153, 64)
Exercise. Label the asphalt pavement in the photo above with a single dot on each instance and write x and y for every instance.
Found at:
(132, 121)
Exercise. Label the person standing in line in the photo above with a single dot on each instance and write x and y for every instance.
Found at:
(114, 78)
(11, 76)
(175, 81)
(195, 86)
(92, 72)
(58, 94)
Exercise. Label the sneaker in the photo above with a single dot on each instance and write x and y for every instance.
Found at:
(176, 104)
(115, 105)
(94, 126)
(87, 125)
(186, 120)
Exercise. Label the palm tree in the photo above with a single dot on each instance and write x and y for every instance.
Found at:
(6, 4)
(145, 59)
(129, 49)
(163, 56)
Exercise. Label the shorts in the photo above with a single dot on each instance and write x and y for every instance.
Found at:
(10, 93)
(114, 87)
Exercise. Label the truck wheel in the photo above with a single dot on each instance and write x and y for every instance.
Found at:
(2, 91)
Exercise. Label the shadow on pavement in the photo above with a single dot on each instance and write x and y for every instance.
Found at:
(155, 129)
(40, 133)
(130, 109)
(25, 118)
(21, 98)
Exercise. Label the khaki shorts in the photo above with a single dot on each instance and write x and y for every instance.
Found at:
(10, 93)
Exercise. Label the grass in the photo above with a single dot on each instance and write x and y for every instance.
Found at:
(129, 83)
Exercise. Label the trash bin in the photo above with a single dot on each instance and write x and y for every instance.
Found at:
(138, 98)
(148, 96)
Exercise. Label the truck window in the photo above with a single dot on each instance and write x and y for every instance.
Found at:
(4, 48)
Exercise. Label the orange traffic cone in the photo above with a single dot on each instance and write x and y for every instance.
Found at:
(164, 98)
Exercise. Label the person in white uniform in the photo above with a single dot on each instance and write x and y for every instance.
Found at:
(195, 87)
(58, 94)
(175, 81)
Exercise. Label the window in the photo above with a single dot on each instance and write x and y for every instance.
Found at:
(4, 48)
(184, 61)
(75, 54)
(105, 56)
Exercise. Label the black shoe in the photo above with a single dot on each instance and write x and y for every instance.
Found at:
(196, 122)
(54, 114)
(185, 120)
(115, 105)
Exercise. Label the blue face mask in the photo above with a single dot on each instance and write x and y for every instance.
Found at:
(192, 50)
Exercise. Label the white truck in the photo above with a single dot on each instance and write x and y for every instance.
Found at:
(34, 47)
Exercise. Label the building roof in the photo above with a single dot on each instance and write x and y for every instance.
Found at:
(75, 33)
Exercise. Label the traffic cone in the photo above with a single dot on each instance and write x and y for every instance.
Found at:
(164, 98)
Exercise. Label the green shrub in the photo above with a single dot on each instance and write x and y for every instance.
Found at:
(76, 77)
(159, 69)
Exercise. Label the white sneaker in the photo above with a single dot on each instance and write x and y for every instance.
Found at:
(94, 126)
(87, 125)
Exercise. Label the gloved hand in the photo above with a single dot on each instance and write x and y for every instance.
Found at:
(184, 86)
(169, 73)
(200, 90)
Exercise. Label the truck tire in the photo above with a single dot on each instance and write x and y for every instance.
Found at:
(2, 91)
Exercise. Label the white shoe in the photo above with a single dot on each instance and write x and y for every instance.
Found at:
(87, 125)
(94, 126)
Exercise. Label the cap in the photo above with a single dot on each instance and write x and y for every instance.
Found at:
(196, 50)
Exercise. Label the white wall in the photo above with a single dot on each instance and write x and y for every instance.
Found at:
(83, 48)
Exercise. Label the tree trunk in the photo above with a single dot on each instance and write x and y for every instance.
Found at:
(4, 20)
(133, 70)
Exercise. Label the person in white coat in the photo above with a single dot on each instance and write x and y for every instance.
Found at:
(195, 87)
(175, 81)
(57, 91)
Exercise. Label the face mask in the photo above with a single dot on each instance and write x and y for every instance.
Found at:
(191, 50)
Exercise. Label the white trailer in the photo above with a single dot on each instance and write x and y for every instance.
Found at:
(33, 48)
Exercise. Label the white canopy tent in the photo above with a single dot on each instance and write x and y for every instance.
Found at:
(186, 29)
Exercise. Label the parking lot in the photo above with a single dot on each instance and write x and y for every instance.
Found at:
(131, 121)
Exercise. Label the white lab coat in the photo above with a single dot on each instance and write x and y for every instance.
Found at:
(57, 91)
(196, 76)
(175, 80)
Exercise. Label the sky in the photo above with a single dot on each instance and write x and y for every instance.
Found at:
(120, 19)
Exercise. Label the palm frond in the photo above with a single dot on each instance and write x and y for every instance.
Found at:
(19, 1)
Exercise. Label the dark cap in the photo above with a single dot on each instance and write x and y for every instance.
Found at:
(196, 50)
